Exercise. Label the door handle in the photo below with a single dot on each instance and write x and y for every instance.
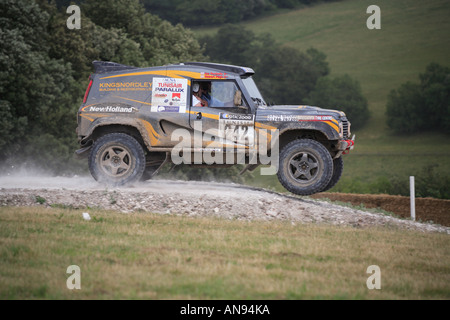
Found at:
(199, 115)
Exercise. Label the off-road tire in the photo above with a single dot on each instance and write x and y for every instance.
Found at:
(117, 159)
(305, 167)
(338, 168)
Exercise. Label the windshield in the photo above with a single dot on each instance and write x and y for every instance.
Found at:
(254, 92)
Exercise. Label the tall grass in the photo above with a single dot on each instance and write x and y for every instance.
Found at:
(150, 256)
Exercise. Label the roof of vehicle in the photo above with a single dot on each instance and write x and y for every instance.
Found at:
(242, 71)
(107, 67)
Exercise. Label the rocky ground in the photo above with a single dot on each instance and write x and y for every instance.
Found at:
(227, 201)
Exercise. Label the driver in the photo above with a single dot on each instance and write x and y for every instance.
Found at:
(197, 100)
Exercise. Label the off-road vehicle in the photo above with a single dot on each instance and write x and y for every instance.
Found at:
(134, 120)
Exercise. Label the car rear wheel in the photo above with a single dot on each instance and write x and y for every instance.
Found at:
(306, 167)
(117, 159)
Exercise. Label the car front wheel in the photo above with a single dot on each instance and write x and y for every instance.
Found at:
(306, 167)
(338, 168)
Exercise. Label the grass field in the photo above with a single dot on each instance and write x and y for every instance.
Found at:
(413, 34)
(150, 256)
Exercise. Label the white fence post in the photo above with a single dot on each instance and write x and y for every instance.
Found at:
(412, 198)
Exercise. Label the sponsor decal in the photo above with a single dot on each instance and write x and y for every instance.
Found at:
(125, 86)
(176, 96)
(237, 119)
(323, 118)
(112, 109)
(168, 85)
(169, 95)
(213, 75)
(165, 109)
(282, 118)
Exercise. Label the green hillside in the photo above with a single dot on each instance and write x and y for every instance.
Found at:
(413, 33)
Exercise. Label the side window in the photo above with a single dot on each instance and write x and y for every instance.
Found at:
(225, 95)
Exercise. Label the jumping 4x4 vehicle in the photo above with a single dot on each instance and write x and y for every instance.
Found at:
(133, 121)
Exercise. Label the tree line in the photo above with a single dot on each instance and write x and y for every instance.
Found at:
(422, 106)
(218, 12)
(44, 69)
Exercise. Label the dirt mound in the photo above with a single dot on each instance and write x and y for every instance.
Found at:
(427, 209)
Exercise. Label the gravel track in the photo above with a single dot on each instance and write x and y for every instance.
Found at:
(229, 201)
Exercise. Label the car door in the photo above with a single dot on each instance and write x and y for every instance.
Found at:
(227, 121)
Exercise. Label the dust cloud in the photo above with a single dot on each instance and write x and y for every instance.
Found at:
(36, 180)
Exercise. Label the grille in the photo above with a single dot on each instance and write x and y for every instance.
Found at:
(345, 127)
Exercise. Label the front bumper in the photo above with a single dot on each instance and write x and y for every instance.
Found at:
(345, 146)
